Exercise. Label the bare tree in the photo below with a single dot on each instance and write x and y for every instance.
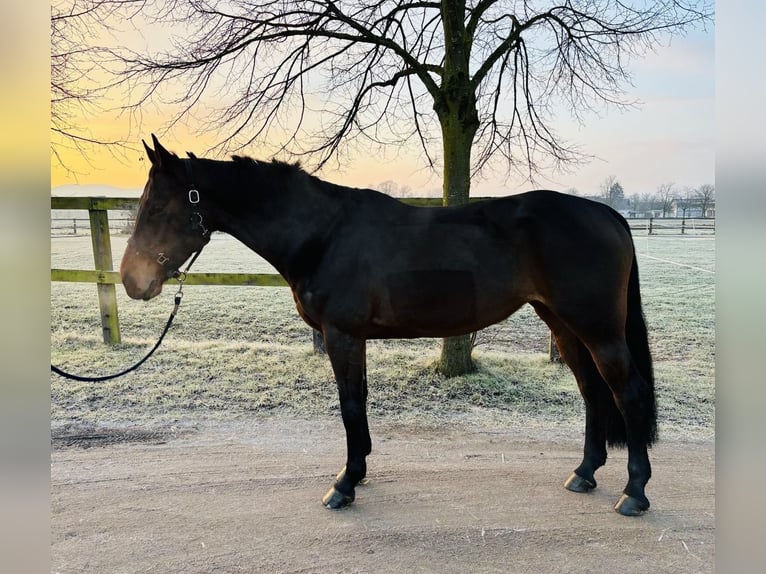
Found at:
(390, 187)
(706, 195)
(665, 197)
(472, 82)
(686, 201)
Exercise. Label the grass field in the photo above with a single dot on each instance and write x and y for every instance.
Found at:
(241, 351)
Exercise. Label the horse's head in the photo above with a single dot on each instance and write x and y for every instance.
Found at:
(169, 226)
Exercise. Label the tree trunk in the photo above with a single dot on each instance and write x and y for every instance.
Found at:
(456, 351)
(459, 121)
(317, 338)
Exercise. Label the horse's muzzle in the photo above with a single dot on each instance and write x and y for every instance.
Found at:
(141, 278)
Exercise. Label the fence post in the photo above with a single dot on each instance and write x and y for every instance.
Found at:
(102, 256)
(318, 341)
(683, 226)
(554, 355)
(651, 220)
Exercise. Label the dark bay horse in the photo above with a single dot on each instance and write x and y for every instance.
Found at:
(362, 265)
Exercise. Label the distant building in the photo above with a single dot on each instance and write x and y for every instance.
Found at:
(679, 207)
(692, 207)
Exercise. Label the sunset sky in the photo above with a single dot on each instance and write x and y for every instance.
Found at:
(668, 138)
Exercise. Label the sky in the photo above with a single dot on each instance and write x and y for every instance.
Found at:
(667, 137)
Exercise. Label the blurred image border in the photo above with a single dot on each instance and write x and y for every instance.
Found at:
(25, 291)
(741, 280)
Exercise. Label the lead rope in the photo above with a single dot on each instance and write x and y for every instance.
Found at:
(181, 277)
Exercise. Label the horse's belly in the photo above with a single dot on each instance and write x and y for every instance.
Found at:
(435, 303)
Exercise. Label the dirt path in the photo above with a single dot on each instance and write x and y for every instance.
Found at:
(245, 498)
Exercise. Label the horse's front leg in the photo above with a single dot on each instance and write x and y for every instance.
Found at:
(347, 356)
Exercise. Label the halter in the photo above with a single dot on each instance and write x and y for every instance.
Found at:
(196, 222)
(162, 259)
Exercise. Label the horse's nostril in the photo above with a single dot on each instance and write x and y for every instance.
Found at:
(149, 293)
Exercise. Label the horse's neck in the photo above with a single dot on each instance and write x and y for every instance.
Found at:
(283, 223)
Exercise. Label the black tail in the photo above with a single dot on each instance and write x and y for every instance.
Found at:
(638, 343)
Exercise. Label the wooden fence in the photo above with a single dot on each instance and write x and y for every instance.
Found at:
(105, 277)
(673, 225)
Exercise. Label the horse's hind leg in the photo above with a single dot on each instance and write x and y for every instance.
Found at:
(599, 405)
(347, 356)
(633, 398)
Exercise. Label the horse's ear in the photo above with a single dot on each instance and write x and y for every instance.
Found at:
(150, 153)
(191, 155)
(162, 157)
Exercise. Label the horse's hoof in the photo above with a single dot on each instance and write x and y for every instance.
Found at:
(577, 483)
(631, 506)
(335, 500)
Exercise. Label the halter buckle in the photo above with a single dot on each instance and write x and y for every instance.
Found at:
(193, 196)
(161, 259)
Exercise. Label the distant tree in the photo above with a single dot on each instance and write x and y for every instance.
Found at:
(686, 201)
(616, 194)
(706, 195)
(665, 197)
(635, 202)
(612, 191)
(390, 187)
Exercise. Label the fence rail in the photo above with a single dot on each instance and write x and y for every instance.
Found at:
(113, 277)
(81, 225)
(105, 278)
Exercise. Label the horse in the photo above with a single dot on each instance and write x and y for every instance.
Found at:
(363, 265)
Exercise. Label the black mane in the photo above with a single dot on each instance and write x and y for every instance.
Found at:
(245, 159)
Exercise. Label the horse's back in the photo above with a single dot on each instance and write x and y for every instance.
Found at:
(553, 209)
